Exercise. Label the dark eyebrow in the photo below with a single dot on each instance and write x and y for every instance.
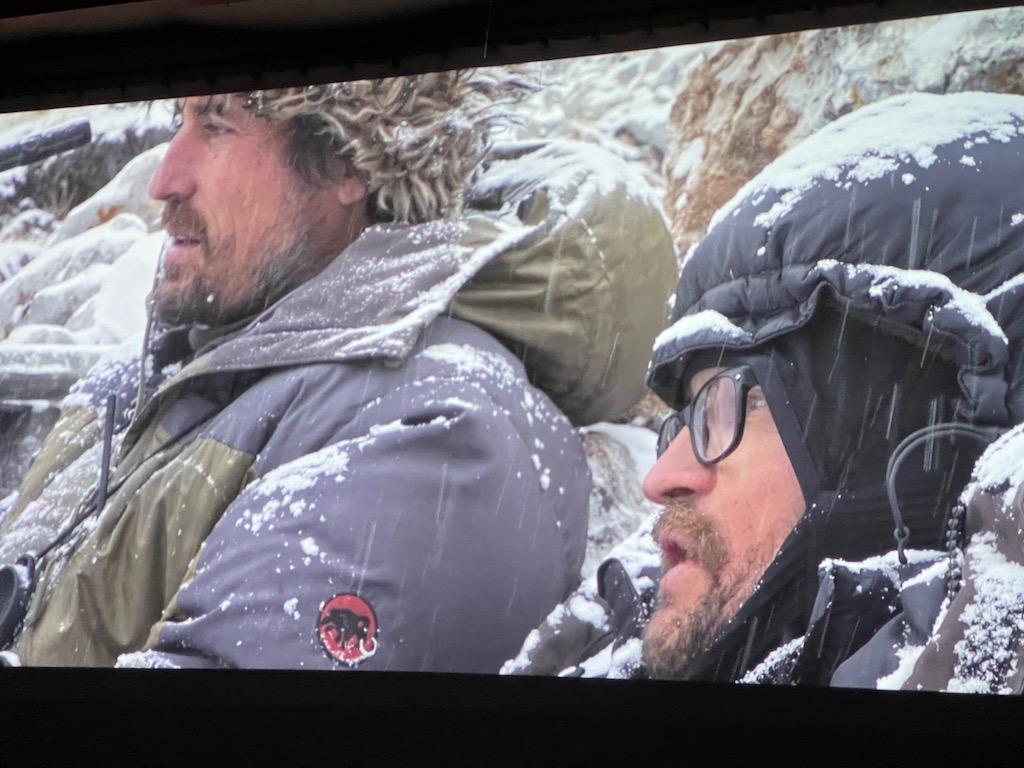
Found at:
(219, 105)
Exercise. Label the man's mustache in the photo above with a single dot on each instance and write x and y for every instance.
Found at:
(179, 216)
(681, 517)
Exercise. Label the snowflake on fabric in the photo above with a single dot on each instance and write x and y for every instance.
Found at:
(777, 667)
(986, 657)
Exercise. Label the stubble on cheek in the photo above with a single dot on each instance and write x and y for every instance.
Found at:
(678, 632)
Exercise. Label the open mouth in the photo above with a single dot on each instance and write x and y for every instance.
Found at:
(675, 552)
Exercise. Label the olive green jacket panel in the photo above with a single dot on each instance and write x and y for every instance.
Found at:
(121, 573)
(76, 431)
(580, 294)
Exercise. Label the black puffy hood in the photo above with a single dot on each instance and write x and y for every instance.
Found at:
(872, 278)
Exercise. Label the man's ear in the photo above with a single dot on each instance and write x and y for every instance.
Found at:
(351, 190)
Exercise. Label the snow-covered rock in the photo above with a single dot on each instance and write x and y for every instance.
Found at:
(14, 256)
(125, 193)
(619, 457)
(32, 225)
(620, 101)
(25, 425)
(44, 371)
(744, 102)
(100, 245)
(40, 334)
(82, 322)
(119, 131)
(119, 308)
(54, 304)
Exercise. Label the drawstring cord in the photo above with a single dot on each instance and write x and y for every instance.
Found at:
(954, 526)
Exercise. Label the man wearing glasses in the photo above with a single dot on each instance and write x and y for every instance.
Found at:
(846, 344)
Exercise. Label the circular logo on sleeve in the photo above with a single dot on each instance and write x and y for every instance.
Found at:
(347, 627)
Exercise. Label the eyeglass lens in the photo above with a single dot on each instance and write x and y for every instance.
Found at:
(719, 409)
(713, 420)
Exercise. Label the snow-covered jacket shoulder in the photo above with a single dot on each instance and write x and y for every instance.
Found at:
(977, 640)
(444, 496)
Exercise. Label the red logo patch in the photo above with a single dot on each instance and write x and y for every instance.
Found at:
(348, 628)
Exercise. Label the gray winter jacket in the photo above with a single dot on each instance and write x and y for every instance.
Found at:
(353, 479)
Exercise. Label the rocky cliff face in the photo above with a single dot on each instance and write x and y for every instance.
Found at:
(742, 103)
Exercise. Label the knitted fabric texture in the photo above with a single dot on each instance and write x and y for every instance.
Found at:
(415, 141)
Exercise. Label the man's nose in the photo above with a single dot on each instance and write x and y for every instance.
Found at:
(677, 472)
(175, 176)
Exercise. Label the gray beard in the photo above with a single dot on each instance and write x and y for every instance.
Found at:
(200, 302)
(667, 653)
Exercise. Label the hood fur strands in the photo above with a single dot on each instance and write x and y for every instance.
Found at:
(415, 141)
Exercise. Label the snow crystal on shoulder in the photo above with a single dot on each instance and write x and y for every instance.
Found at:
(1001, 465)
(303, 473)
(907, 655)
(879, 139)
(275, 492)
(144, 660)
(986, 657)
(471, 361)
(968, 304)
(116, 372)
(906, 658)
(700, 322)
(888, 563)
(773, 661)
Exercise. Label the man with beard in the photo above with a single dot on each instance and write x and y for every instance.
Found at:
(847, 340)
(324, 422)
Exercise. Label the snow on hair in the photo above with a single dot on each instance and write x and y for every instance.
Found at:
(415, 141)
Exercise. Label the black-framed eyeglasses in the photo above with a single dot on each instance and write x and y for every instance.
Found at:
(715, 416)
